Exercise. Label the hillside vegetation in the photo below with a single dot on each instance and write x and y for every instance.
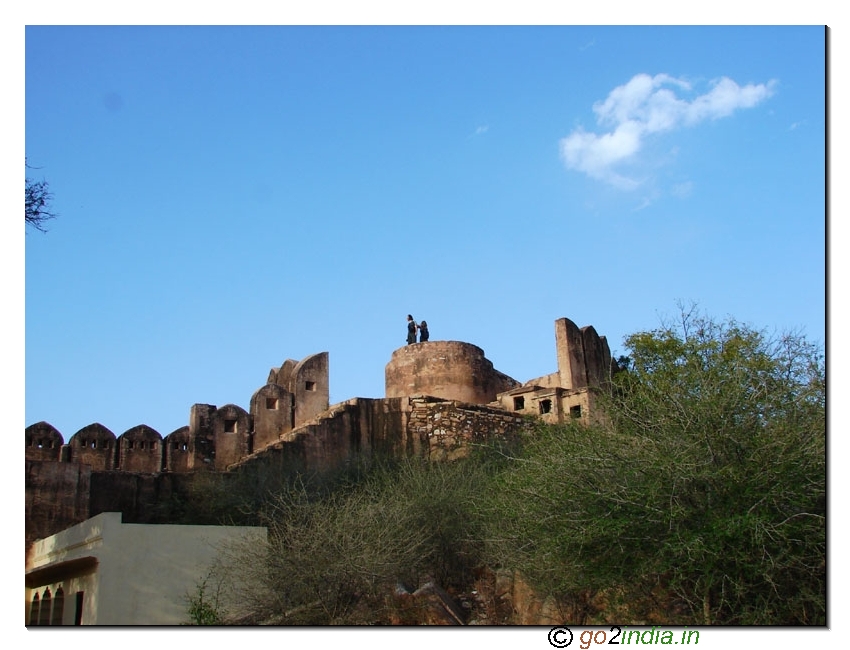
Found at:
(700, 499)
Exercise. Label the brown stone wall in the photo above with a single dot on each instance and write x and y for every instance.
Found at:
(57, 496)
(451, 428)
(232, 434)
(597, 360)
(442, 396)
(311, 387)
(283, 375)
(356, 429)
(43, 442)
(202, 434)
(61, 494)
(138, 497)
(271, 409)
(448, 369)
(140, 450)
(95, 446)
(552, 380)
(309, 383)
(178, 449)
(609, 365)
(546, 403)
(570, 348)
(578, 405)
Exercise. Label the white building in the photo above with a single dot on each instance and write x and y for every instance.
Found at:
(105, 572)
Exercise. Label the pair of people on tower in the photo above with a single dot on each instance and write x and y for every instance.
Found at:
(411, 330)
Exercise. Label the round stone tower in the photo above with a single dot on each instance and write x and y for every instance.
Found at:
(447, 369)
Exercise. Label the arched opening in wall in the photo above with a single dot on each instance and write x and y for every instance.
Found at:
(58, 607)
(34, 610)
(44, 609)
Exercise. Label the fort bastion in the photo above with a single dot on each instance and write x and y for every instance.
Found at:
(440, 396)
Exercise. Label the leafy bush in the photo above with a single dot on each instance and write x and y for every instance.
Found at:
(203, 608)
(334, 558)
(708, 480)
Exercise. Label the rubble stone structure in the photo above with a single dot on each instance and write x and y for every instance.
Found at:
(440, 397)
(447, 369)
(584, 362)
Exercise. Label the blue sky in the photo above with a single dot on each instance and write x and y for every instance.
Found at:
(231, 197)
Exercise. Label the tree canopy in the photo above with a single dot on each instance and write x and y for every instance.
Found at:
(707, 479)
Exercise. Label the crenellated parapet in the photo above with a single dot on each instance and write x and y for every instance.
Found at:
(178, 450)
(140, 450)
(215, 437)
(308, 383)
(43, 442)
(94, 445)
(297, 392)
(273, 408)
(441, 397)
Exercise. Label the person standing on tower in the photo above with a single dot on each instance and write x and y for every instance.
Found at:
(411, 330)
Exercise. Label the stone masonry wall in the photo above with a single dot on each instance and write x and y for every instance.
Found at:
(452, 428)
(449, 369)
(56, 496)
(442, 397)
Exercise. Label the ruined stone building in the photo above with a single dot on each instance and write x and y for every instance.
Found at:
(440, 396)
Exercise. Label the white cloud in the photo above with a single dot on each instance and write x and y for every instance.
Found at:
(682, 190)
(481, 129)
(644, 106)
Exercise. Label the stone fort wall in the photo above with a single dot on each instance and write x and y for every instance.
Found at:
(440, 397)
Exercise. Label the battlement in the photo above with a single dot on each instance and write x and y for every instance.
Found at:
(440, 396)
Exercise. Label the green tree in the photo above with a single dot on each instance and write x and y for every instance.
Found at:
(707, 481)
